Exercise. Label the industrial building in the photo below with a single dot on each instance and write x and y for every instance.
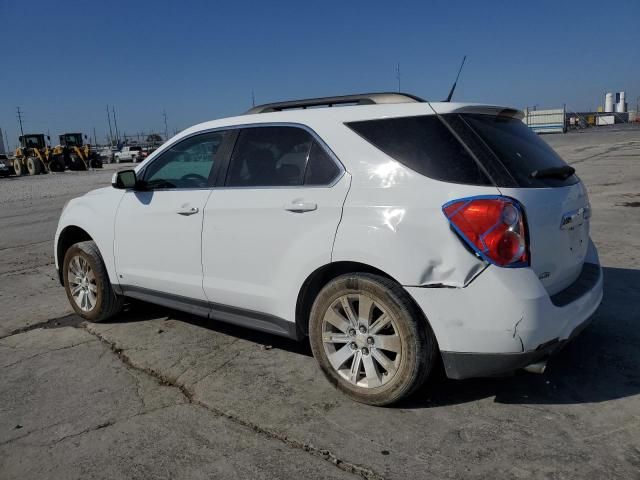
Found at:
(560, 120)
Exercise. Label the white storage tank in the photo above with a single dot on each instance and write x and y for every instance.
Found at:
(621, 105)
(608, 102)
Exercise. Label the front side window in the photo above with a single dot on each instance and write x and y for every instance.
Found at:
(187, 164)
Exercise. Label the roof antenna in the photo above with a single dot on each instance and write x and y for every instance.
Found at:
(453, 88)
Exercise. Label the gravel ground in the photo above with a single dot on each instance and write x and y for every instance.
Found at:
(54, 185)
(161, 394)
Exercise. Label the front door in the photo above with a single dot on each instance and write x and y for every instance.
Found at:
(158, 228)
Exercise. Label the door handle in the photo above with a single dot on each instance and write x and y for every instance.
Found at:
(188, 211)
(301, 207)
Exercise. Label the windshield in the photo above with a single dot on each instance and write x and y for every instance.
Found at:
(34, 141)
(73, 139)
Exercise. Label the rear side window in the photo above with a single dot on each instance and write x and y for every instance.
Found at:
(423, 144)
(269, 157)
(279, 157)
(519, 149)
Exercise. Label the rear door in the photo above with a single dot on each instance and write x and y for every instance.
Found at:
(556, 206)
(272, 221)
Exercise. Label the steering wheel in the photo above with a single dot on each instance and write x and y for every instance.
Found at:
(195, 178)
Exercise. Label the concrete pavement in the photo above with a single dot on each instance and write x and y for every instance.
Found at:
(161, 394)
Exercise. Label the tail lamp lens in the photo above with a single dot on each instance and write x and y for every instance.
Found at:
(494, 227)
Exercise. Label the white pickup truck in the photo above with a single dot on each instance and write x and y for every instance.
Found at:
(128, 154)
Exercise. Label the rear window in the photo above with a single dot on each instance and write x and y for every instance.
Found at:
(423, 144)
(518, 149)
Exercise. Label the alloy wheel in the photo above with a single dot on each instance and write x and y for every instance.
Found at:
(82, 283)
(361, 340)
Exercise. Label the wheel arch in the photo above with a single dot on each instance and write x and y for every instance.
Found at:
(69, 236)
(323, 275)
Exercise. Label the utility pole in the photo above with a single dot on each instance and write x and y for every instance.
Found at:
(398, 75)
(166, 129)
(110, 131)
(20, 120)
(115, 123)
(6, 140)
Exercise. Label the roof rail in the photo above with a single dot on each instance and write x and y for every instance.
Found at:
(359, 99)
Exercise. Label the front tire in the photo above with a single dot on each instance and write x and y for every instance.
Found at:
(56, 164)
(18, 168)
(87, 284)
(370, 340)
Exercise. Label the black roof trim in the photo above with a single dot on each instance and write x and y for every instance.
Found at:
(358, 99)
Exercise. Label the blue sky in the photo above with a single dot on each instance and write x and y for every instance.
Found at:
(64, 61)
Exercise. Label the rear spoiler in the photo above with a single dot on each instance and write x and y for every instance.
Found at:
(490, 110)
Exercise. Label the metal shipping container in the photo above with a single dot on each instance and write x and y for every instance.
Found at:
(545, 121)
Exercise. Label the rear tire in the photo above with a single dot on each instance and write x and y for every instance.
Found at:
(380, 351)
(87, 283)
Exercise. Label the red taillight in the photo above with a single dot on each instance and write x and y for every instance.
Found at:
(493, 226)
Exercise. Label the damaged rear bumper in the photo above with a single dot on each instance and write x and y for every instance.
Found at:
(459, 365)
(505, 320)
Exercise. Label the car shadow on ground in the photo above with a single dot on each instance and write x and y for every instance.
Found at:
(136, 311)
(602, 363)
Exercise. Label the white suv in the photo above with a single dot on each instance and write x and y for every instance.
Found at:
(390, 231)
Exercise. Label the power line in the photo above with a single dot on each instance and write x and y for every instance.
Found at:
(166, 129)
(6, 140)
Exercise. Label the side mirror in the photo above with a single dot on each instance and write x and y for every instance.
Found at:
(124, 180)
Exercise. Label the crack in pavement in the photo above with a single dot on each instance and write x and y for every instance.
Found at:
(10, 273)
(24, 244)
(70, 320)
(108, 423)
(77, 322)
(46, 352)
(189, 395)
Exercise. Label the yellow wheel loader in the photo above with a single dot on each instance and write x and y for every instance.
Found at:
(75, 154)
(33, 156)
